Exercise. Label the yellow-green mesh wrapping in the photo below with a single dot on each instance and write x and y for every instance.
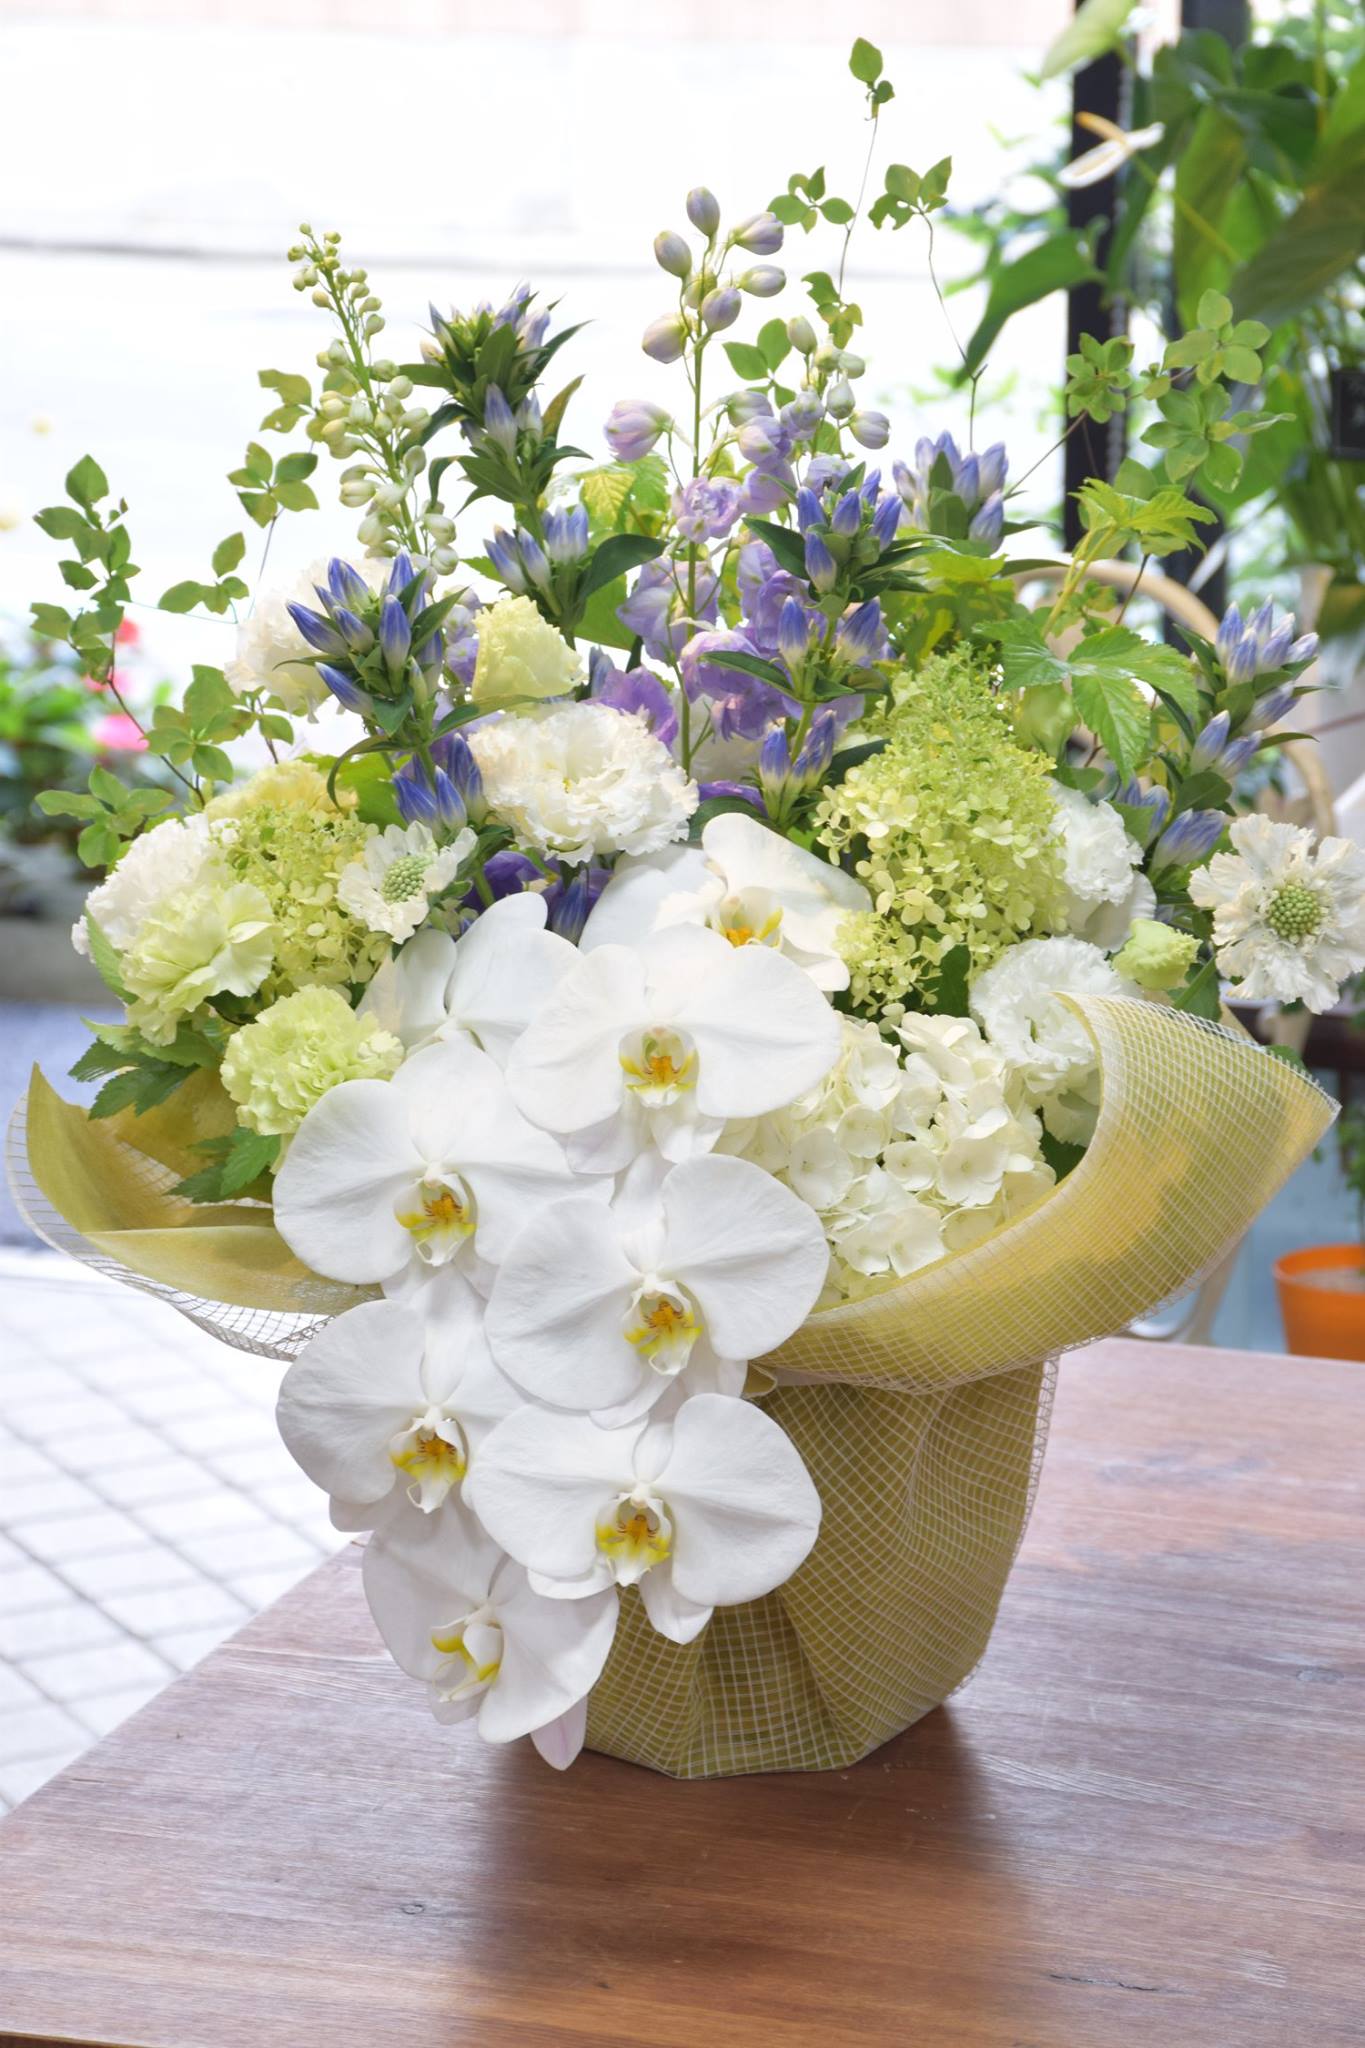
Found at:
(920, 1413)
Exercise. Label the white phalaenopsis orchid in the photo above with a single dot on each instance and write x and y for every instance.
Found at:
(387, 1402)
(745, 882)
(712, 1508)
(602, 1310)
(437, 1164)
(465, 1619)
(487, 985)
(663, 1041)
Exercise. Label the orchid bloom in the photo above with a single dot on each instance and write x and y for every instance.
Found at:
(465, 1619)
(437, 1164)
(746, 882)
(713, 1509)
(663, 1041)
(486, 985)
(386, 1403)
(698, 1272)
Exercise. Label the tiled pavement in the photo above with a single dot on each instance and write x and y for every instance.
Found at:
(147, 1506)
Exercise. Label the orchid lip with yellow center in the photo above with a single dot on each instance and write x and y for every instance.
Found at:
(431, 1451)
(439, 1213)
(472, 1647)
(634, 1534)
(659, 1065)
(663, 1326)
(750, 917)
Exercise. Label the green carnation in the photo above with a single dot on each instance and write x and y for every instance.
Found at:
(214, 938)
(294, 851)
(951, 829)
(1156, 956)
(277, 1067)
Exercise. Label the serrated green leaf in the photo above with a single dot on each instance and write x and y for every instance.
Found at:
(250, 1155)
(105, 957)
(1116, 712)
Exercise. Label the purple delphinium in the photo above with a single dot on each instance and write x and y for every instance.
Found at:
(742, 706)
(656, 610)
(706, 508)
(633, 690)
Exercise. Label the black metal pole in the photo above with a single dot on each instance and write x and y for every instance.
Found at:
(1099, 88)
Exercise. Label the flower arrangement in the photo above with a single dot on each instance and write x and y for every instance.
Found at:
(672, 1064)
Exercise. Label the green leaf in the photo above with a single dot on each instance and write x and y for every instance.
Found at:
(289, 389)
(1208, 172)
(87, 483)
(837, 212)
(1307, 252)
(716, 807)
(746, 361)
(295, 497)
(76, 577)
(750, 665)
(292, 469)
(865, 62)
(250, 1155)
(786, 545)
(106, 960)
(616, 555)
(1098, 25)
(228, 554)
(903, 183)
(951, 984)
(1116, 712)
(63, 803)
(257, 463)
(1055, 265)
(62, 522)
(1200, 997)
(1214, 310)
(182, 597)
(773, 343)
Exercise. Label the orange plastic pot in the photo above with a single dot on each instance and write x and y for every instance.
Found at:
(1322, 1300)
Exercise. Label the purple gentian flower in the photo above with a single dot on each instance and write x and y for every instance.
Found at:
(318, 631)
(498, 422)
(1187, 839)
(566, 534)
(821, 567)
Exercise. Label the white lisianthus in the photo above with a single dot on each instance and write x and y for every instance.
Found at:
(662, 1042)
(521, 659)
(903, 1156)
(273, 655)
(216, 938)
(465, 1619)
(746, 882)
(156, 865)
(390, 887)
(583, 781)
(386, 1404)
(437, 1165)
(487, 985)
(1101, 870)
(713, 1508)
(689, 1277)
(1017, 1002)
(1288, 920)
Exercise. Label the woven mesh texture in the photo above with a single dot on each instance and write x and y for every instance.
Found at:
(920, 1413)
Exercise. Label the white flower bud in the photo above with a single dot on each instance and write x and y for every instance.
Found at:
(414, 420)
(374, 323)
(354, 495)
(440, 526)
(336, 354)
(384, 372)
(826, 357)
(370, 530)
(851, 365)
(431, 350)
(321, 297)
(345, 444)
(414, 461)
(839, 399)
(400, 386)
(360, 411)
(444, 561)
(331, 405)
(801, 334)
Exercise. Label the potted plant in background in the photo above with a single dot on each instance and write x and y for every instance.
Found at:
(1322, 1287)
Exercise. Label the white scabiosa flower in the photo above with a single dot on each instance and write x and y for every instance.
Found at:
(464, 1618)
(522, 659)
(746, 882)
(1018, 1003)
(713, 1508)
(583, 781)
(486, 985)
(156, 865)
(390, 887)
(1288, 919)
(1101, 870)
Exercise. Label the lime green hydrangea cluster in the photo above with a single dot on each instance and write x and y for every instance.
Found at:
(951, 831)
(293, 847)
(276, 1068)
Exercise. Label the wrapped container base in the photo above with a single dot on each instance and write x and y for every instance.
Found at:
(921, 1413)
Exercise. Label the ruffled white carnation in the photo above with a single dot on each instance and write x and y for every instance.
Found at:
(1288, 921)
(1018, 1004)
(389, 889)
(905, 1156)
(583, 781)
(158, 865)
(1098, 858)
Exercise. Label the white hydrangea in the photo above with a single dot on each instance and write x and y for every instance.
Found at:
(159, 864)
(1017, 1002)
(582, 781)
(1101, 870)
(905, 1155)
(1288, 920)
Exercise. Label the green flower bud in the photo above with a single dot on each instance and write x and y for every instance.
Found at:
(851, 365)
(1156, 956)
(839, 399)
(801, 335)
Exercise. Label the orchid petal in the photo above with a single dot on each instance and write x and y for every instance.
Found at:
(565, 1069)
(636, 899)
(553, 1655)
(351, 1159)
(420, 1572)
(408, 994)
(560, 1740)
(764, 1033)
(682, 1621)
(542, 1483)
(752, 1253)
(745, 1510)
(505, 966)
(348, 1394)
(557, 1313)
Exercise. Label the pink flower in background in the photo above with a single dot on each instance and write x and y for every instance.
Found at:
(117, 733)
(126, 634)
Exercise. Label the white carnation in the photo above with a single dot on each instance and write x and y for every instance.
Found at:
(160, 864)
(1017, 1002)
(583, 781)
(1099, 855)
(905, 1156)
(521, 658)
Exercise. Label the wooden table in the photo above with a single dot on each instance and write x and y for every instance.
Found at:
(1143, 1821)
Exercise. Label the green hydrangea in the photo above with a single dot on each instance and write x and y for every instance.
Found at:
(277, 1067)
(294, 851)
(950, 828)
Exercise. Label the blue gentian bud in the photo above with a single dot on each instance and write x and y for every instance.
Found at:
(412, 793)
(566, 534)
(1304, 649)
(989, 523)
(401, 574)
(886, 519)
(967, 482)
(395, 636)
(498, 422)
(533, 559)
(869, 490)
(821, 567)
(809, 511)
(761, 235)
(568, 912)
(1276, 649)
(720, 308)
(452, 753)
(502, 553)
(994, 467)
(812, 763)
(848, 515)
(1229, 634)
(345, 585)
(345, 689)
(1208, 747)
(775, 764)
(431, 654)
(449, 804)
(353, 631)
(528, 418)
(1272, 708)
(793, 633)
(703, 210)
(317, 631)
(1187, 839)
(860, 636)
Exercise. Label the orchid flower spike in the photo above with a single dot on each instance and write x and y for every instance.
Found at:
(714, 1508)
(465, 1619)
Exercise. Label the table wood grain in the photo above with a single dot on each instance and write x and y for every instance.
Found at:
(1143, 1822)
